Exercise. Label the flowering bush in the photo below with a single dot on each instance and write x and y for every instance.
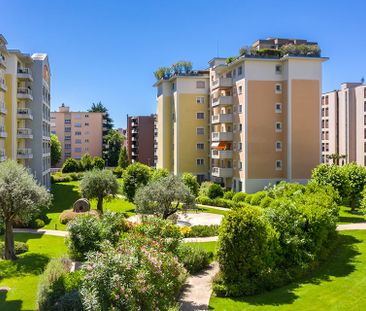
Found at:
(136, 275)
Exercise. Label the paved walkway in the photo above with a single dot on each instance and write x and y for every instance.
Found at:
(42, 231)
(198, 288)
(356, 226)
(213, 207)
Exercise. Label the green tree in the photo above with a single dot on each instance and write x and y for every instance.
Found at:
(335, 157)
(114, 141)
(123, 158)
(356, 176)
(215, 191)
(98, 162)
(71, 165)
(163, 197)
(100, 185)
(191, 182)
(86, 162)
(55, 150)
(20, 198)
(134, 176)
(158, 173)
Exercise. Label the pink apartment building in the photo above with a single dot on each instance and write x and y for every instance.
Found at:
(343, 123)
(78, 132)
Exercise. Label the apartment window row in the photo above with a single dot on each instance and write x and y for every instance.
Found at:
(278, 145)
(200, 161)
(278, 69)
(325, 135)
(325, 147)
(200, 131)
(238, 108)
(200, 84)
(237, 127)
(278, 126)
(200, 100)
(325, 100)
(278, 88)
(325, 112)
(364, 120)
(237, 147)
(278, 165)
(200, 146)
(278, 107)
(364, 92)
(200, 115)
(325, 124)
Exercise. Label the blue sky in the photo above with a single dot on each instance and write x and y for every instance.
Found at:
(107, 50)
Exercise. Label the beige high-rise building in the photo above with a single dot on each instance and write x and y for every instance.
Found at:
(344, 123)
(78, 132)
(261, 111)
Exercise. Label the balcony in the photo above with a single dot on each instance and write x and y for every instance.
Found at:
(2, 108)
(222, 136)
(3, 85)
(222, 118)
(24, 113)
(222, 83)
(24, 74)
(24, 133)
(221, 154)
(134, 153)
(222, 100)
(222, 172)
(3, 134)
(2, 155)
(2, 62)
(134, 131)
(25, 93)
(24, 153)
(133, 138)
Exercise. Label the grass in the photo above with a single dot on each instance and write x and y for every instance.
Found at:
(347, 217)
(210, 210)
(22, 276)
(207, 246)
(338, 284)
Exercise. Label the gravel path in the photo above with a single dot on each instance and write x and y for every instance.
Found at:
(42, 231)
(198, 288)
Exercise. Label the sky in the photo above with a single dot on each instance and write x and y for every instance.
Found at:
(108, 50)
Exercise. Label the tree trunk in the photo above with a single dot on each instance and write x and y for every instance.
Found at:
(100, 204)
(9, 242)
(353, 204)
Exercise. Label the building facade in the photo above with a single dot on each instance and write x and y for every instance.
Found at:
(140, 139)
(24, 113)
(344, 124)
(262, 118)
(78, 132)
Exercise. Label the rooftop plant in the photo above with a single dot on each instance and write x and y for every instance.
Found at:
(178, 68)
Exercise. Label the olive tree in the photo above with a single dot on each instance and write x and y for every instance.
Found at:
(164, 197)
(20, 199)
(99, 184)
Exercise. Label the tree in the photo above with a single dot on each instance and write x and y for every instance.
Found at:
(123, 158)
(335, 157)
(356, 176)
(114, 141)
(158, 173)
(98, 162)
(134, 176)
(20, 198)
(191, 182)
(55, 150)
(86, 162)
(70, 166)
(100, 185)
(163, 197)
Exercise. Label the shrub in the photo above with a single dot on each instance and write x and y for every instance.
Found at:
(68, 215)
(266, 201)
(118, 171)
(98, 162)
(74, 176)
(223, 203)
(215, 191)
(159, 173)
(204, 200)
(204, 188)
(228, 195)
(191, 182)
(38, 223)
(242, 205)
(199, 231)
(70, 165)
(248, 198)
(136, 275)
(19, 248)
(257, 198)
(135, 176)
(193, 259)
(239, 197)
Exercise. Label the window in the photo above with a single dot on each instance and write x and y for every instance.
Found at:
(200, 131)
(200, 178)
(240, 164)
(278, 88)
(77, 116)
(278, 108)
(240, 147)
(53, 132)
(200, 115)
(364, 147)
(364, 119)
(278, 146)
(200, 100)
(278, 127)
(240, 90)
(68, 129)
(200, 84)
(77, 149)
(364, 106)
(68, 137)
(200, 161)
(86, 116)
(200, 146)
(77, 124)
(278, 165)
(234, 146)
(77, 141)
(364, 92)
(364, 134)
(234, 73)
(86, 124)
(278, 69)
(67, 146)
(240, 109)
(67, 154)
(67, 121)
(240, 127)
(240, 71)
(77, 133)
(173, 86)
(86, 140)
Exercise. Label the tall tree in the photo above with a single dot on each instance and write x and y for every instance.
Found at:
(56, 150)
(123, 158)
(114, 141)
(20, 198)
(107, 123)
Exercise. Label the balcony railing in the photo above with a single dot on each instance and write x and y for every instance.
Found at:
(2, 61)
(3, 134)
(222, 172)
(222, 136)
(2, 108)
(25, 93)
(24, 113)
(222, 82)
(24, 153)
(222, 100)
(24, 71)
(3, 85)
(221, 154)
(24, 133)
(222, 118)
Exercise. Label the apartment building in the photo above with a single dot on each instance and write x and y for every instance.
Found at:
(123, 133)
(140, 139)
(78, 132)
(24, 113)
(261, 116)
(344, 123)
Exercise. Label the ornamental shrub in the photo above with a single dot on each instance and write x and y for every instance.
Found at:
(199, 231)
(19, 248)
(135, 176)
(215, 191)
(98, 163)
(204, 200)
(204, 188)
(266, 201)
(118, 171)
(257, 198)
(248, 198)
(223, 203)
(70, 165)
(193, 259)
(239, 197)
(190, 181)
(228, 195)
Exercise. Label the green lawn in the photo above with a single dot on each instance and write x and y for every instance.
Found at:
(207, 246)
(339, 284)
(22, 275)
(210, 210)
(347, 217)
